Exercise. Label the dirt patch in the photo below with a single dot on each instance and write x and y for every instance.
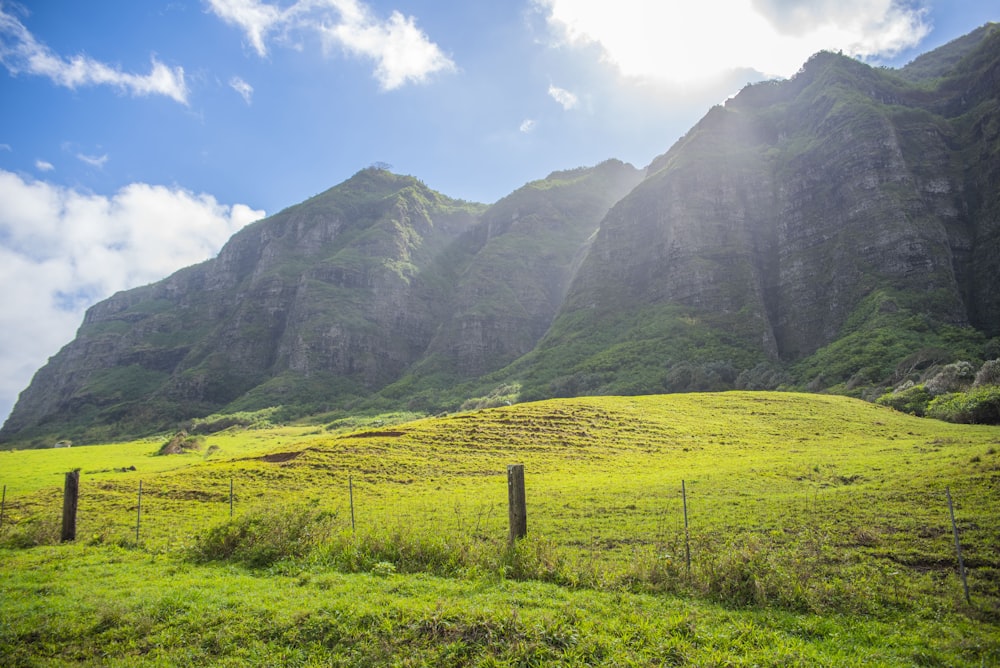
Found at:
(279, 457)
(376, 434)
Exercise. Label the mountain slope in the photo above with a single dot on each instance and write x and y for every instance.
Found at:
(327, 290)
(323, 303)
(844, 206)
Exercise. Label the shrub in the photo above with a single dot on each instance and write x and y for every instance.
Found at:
(264, 537)
(181, 442)
(504, 395)
(951, 378)
(741, 575)
(261, 419)
(989, 374)
(35, 531)
(908, 398)
(980, 405)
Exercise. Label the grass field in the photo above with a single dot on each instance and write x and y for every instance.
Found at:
(819, 535)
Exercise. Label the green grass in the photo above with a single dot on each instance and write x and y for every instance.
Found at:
(819, 535)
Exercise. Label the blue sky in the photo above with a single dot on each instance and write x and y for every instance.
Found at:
(136, 137)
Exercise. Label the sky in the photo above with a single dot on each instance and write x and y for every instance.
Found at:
(137, 137)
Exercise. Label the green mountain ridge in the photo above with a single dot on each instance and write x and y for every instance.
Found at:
(812, 233)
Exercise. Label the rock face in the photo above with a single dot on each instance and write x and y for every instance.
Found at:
(811, 233)
(329, 300)
(845, 201)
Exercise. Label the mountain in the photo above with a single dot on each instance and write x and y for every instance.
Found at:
(815, 232)
(327, 302)
(836, 231)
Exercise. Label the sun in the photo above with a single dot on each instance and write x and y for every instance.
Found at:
(686, 42)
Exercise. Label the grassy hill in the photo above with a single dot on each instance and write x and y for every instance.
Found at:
(818, 534)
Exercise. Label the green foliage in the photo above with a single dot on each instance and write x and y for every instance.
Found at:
(181, 442)
(32, 532)
(503, 395)
(878, 338)
(264, 418)
(654, 349)
(263, 537)
(980, 405)
(912, 399)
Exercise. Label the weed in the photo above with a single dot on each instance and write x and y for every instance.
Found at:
(261, 538)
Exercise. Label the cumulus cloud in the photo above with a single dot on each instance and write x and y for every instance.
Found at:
(44, 165)
(21, 53)
(402, 52)
(62, 250)
(567, 99)
(685, 42)
(243, 88)
(528, 125)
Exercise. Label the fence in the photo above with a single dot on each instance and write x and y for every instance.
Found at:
(610, 526)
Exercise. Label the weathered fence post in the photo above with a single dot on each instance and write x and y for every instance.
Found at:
(517, 510)
(958, 547)
(687, 534)
(3, 505)
(230, 498)
(71, 492)
(350, 491)
(138, 514)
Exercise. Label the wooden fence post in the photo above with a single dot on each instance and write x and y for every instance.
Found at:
(71, 493)
(3, 505)
(517, 510)
(958, 547)
(230, 498)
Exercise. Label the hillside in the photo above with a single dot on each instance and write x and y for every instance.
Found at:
(834, 232)
(818, 533)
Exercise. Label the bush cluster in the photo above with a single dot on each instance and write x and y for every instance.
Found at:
(956, 392)
(980, 405)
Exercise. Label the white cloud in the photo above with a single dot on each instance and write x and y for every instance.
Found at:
(243, 88)
(97, 161)
(527, 125)
(5, 147)
(21, 53)
(63, 250)
(44, 165)
(402, 52)
(692, 41)
(255, 18)
(567, 99)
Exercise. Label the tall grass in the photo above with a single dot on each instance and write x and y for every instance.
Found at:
(740, 571)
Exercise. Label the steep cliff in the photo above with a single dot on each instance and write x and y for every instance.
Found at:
(809, 232)
(321, 300)
(326, 302)
(521, 258)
